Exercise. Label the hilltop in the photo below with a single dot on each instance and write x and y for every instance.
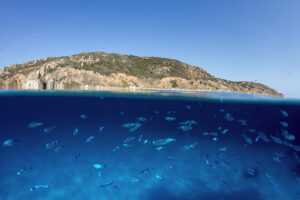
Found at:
(98, 70)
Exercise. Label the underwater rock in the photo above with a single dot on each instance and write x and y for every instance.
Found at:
(83, 116)
(75, 132)
(170, 118)
(10, 142)
(49, 129)
(89, 139)
(39, 187)
(34, 124)
(163, 141)
(229, 117)
(101, 128)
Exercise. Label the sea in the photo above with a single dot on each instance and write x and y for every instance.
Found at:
(157, 145)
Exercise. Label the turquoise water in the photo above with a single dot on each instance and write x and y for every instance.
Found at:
(155, 145)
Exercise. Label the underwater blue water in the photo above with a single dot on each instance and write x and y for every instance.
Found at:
(161, 145)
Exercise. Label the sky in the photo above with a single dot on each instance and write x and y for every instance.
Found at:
(250, 40)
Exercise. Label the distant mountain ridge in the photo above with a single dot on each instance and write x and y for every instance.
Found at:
(98, 70)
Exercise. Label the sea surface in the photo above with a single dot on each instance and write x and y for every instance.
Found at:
(154, 145)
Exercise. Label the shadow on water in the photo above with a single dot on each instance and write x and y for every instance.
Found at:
(162, 193)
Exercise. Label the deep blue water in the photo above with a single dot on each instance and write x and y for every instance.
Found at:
(218, 148)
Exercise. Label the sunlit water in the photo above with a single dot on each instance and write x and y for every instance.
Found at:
(148, 146)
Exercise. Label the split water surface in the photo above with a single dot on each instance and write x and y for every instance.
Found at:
(157, 145)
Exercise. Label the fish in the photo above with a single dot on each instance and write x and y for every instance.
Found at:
(251, 171)
(170, 118)
(38, 187)
(284, 124)
(188, 107)
(128, 125)
(276, 139)
(271, 179)
(101, 128)
(107, 184)
(163, 141)
(159, 148)
(98, 166)
(210, 133)
(142, 119)
(49, 129)
(251, 130)
(89, 139)
(24, 170)
(243, 122)
(77, 156)
(145, 141)
(122, 113)
(58, 148)
(215, 139)
(75, 132)
(288, 136)
(136, 126)
(223, 149)
(140, 138)
(171, 112)
(229, 117)
(224, 131)
(277, 159)
(284, 113)
(51, 145)
(10, 142)
(191, 146)
(34, 124)
(247, 139)
(129, 139)
(83, 116)
(263, 136)
(158, 177)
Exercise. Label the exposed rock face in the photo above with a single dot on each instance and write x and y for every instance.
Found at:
(93, 71)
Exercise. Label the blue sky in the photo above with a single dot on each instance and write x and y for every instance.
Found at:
(232, 39)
